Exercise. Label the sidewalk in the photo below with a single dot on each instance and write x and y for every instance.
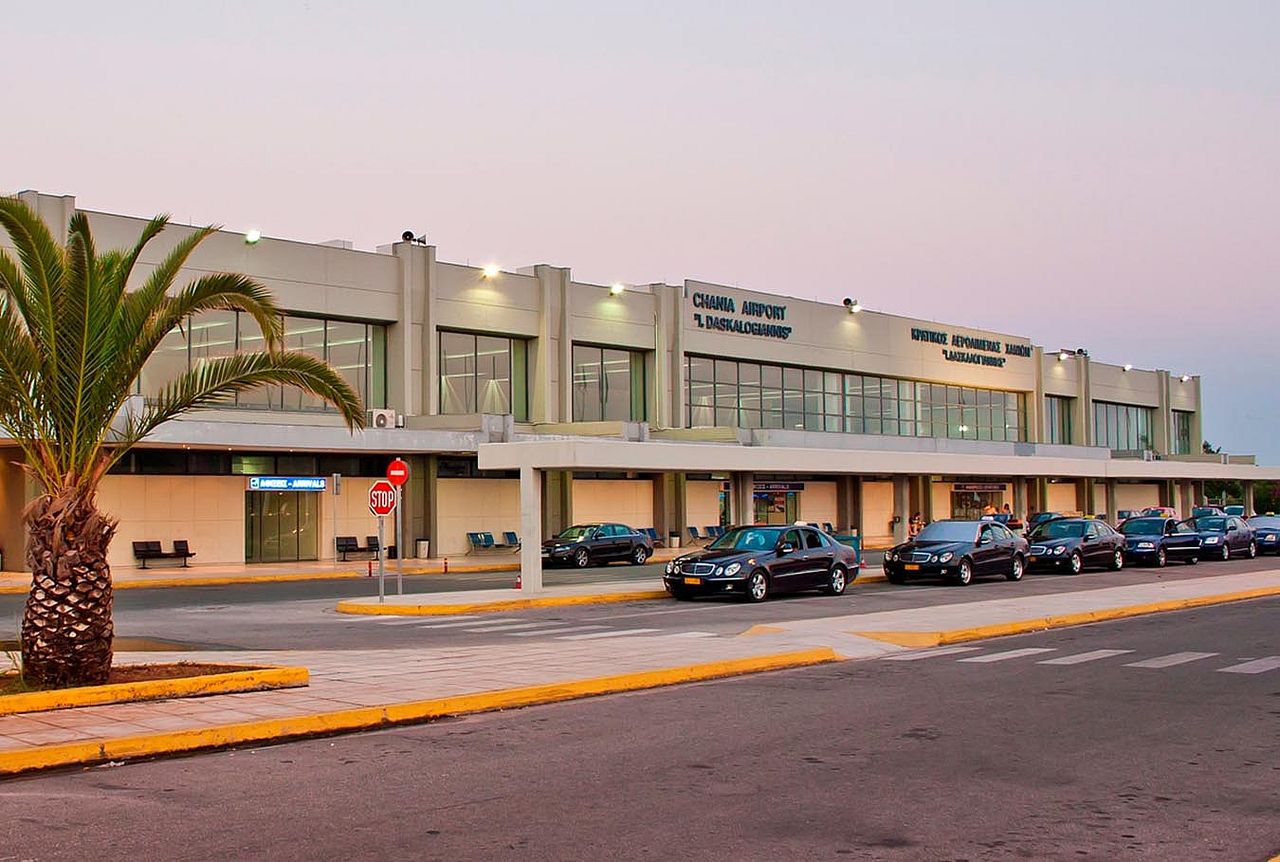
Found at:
(371, 688)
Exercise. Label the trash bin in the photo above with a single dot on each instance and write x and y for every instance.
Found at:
(673, 540)
(422, 549)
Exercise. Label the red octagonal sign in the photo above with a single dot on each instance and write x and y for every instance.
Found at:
(382, 498)
(397, 472)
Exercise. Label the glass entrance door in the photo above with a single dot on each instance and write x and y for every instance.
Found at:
(281, 526)
(776, 507)
(972, 505)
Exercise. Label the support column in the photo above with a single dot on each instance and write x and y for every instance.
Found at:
(1248, 499)
(741, 501)
(1168, 493)
(1041, 494)
(530, 530)
(557, 496)
(1186, 494)
(1197, 493)
(925, 506)
(1113, 488)
(901, 502)
(1020, 499)
(849, 505)
(431, 504)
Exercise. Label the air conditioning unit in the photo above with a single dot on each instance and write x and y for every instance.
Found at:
(382, 419)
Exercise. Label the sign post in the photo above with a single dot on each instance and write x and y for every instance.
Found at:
(398, 474)
(382, 502)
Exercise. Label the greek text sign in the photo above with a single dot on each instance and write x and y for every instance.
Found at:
(971, 349)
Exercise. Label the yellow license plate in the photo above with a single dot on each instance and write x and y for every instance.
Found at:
(911, 567)
(694, 581)
(1031, 559)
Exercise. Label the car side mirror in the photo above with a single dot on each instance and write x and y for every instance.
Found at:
(786, 548)
(1231, 528)
(985, 540)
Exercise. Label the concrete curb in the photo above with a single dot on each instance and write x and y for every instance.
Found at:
(954, 636)
(248, 679)
(367, 718)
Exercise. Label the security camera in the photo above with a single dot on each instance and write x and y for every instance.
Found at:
(407, 236)
(848, 303)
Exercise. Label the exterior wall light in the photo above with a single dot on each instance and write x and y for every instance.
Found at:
(852, 305)
(251, 237)
(1185, 378)
(1062, 355)
(490, 270)
(617, 288)
(1128, 367)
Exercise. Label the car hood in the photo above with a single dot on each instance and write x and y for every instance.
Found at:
(724, 555)
(552, 543)
(933, 547)
(1067, 542)
(1145, 537)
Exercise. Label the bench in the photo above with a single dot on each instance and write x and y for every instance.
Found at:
(482, 541)
(144, 551)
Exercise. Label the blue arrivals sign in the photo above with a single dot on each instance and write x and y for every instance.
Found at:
(288, 483)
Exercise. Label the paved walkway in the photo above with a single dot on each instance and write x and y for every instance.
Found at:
(343, 680)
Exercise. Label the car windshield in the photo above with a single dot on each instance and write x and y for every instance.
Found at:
(1211, 524)
(949, 531)
(1265, 523)
(1058, 530)
(748, 539)
(576, 532)
(1143, 527)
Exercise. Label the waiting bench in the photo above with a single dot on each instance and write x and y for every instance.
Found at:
(144, 551)
(480, 541)
(348, 545)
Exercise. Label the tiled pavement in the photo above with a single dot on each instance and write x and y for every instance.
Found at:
(342, 680)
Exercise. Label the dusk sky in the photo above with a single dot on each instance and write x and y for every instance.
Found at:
(1099, 175)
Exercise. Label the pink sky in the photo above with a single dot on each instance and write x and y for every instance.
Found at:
(1093, 175)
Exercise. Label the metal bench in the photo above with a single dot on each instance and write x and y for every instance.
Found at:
(145, 551)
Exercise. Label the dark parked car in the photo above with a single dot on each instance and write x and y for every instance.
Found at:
(1266, 532)
(1157, 541)
(1224, 536)
(584, 544)
(1039, 518)
(757, 561)
(959, 551)
(1207, 511)
(1071, 544)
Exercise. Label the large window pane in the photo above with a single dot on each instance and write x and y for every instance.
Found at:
(166, 364)
(616, 384)
(493, 374)
(303, 335)
(587, 406)
(251, 340)
(457, 373)
(348, 352)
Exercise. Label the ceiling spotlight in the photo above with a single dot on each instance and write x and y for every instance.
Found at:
(1062, 355)
(617, 288)
(251, 237)
(852, 305)
(490, 270)
(1184, 378)
(1128, 366)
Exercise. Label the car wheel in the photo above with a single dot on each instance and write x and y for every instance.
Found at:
(1117, 561)
(639, 555)
(1076, 563)
(964, 574)
(1226, 552)
(1162, 558)
(1253, 550)
(581, 558)
(1191, 561)
(757, 587)
(837, 582)
(1016, 568)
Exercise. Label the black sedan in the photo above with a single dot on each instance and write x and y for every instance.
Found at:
(959, 551)
(1266, 533)
(1159, 541)
(1071, 544)
(1224, 536)
(584, 544)
(757, 561)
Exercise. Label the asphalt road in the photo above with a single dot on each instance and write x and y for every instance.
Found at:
(208, 617)
(943, 757)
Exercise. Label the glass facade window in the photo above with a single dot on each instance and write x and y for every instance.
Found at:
(357, 350)
(608, 384)
(1123, 427)
(1057, 419)
(1182, 420)
(483, 374)
(731, 393)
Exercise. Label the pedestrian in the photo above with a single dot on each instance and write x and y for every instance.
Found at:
(915, 525)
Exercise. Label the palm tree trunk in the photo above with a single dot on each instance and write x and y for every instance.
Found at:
(67, 629)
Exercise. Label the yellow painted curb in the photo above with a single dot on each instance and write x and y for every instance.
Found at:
(365, 718)
(954, 636)
(352, 606)
(249, 679)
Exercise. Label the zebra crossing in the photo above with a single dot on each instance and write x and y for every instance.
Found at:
(1040, 656)
(517, 627)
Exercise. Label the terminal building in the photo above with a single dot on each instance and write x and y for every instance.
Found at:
(524, 400)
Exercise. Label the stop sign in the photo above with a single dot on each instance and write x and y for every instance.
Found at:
(397, 472)
(382, 498)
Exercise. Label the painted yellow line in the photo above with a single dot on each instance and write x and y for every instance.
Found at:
(954, 636)
(366, 718)
(248, 679)
(374, 609)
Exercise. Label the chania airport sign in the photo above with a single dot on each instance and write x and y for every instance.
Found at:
(971, 349)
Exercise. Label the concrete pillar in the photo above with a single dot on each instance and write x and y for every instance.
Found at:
(741, 499)
(1041, 497)
(530, 530)
(1020, 499)
(1248, 499)
(1112, 489)
(1083, 495)
(1168, 493)
(1186, 499)
(557, 501)
(901, 502)
(848, 504)
(431, 503)
(668, 505)
(925, 506)
(1197, 493)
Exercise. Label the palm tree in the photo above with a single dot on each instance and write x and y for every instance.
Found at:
(73, 341)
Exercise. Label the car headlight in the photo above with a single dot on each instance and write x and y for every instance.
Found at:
(946, 557)
(732, 569)
(670, 567)
(1271, 537)
(891, 556)
(1060, 550)
(1212, 540)
(718, 572)
(1146, 546)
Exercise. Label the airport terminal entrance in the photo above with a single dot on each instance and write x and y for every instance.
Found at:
(281, 526)
(972, 500)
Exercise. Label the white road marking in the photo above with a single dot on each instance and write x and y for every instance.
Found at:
(1081, 658)
(618, 634)
(1005, 656)
(510, 627)
(550, 632)
(931, 653)
(1172, 659)
(472, 622)
(402, 621)
(691, 635)
(1258, 665)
